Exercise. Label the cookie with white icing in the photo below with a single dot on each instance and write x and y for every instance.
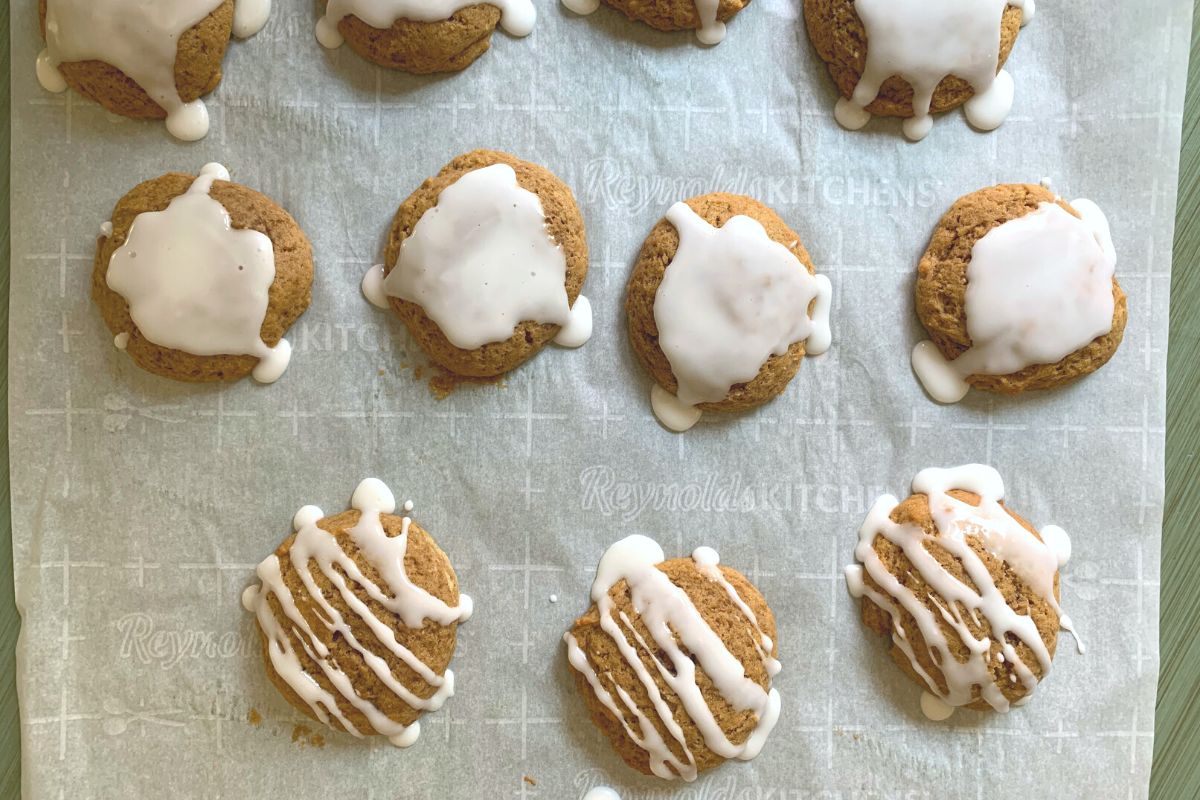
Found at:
(199, 278)
(143, 64)
(674, 660)
(722, 315)
(421, 36)
(358, 615)
(967, 590)
(1017, 292)
(913, 58)
(706, 17)
(485, 263)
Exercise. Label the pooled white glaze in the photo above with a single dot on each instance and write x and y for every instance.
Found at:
(516, 16)
(1038, 288)
(482, 261)
(121, 340)
(195, 284)
(730, 299)
(1034, 562)
(674, 414)
(925, 41)
(711, 30)
(934, 708)
(602, 793)
(140, 38)
(372, 287)
(316, 548)
(106, 229)
(681, 640)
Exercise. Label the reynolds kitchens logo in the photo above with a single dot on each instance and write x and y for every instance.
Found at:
(729, 787)
(604, 491)
(604, 182)
(144, 641)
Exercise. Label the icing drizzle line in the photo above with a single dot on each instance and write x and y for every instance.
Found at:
(1035, 561)
(396, 592)
(667, 612)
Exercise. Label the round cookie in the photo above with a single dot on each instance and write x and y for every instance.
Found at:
(975, 572)
(648, 272)
(288, 297)
(840, 39)
(197, 69)
(327, 596)
(942, 286)
(423, 48)
(728, 641)
(564, 224)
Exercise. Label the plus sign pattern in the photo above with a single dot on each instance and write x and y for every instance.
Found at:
(141, 506)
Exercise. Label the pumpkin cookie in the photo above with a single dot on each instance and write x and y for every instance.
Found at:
(911, 58)
(421, 37)
(199, 278)
(701, 635)
(141, 63)
(358, 615)
(485, 263)
(1016, 291)
(967, 590)
(723, 304)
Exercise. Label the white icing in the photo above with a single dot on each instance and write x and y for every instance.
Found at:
(121, 340)
(1038, 288)
(140, 38)
(106, 228)
(711, 30)
(316, 548)
(372, 287)
(516, 16)
(934, 708)
(195, 284)
(602, 793)
(730, 299)
(482, 261)
(925, 41)
(671, 411)
(1034, 562)
(685, 640)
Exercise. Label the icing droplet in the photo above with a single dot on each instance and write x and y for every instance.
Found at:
(602, 793)
(48, 74)
(1059, 542)
(582, 7)
(372, 287)
(121, 340)
(988, 109)
(106, 229)
(250, 17)
(935, 708)
(578, 329)
(671, 412)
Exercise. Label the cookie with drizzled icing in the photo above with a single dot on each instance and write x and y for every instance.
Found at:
(141, 62)
(674, 660)
(967, 590)
(199, 278)
(358, 615)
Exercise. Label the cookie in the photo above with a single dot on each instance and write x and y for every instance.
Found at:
(698, 632)
(358, 615)
(198, 278)
(421, 38)
(967, 590)
(1017, 292)
(140, 64)
(910, 58)
(485, 263)
(706, 17)
(722, 317)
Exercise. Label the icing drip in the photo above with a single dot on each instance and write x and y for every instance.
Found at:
(730, 299)
(1038, 288)
(395, 592)
(675, 626)
(602, 793)
(195, 284)
(957, 602)
(711, 30)
(516, 16)
(140, 38)
(482, 261)
(925, 41)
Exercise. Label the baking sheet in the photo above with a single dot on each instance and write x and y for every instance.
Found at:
(141, 506)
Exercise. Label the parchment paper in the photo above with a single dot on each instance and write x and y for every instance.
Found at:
(140, 506)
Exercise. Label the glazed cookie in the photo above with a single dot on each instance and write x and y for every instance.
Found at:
(420, 36)
(199, 278)
(1017, 292)
(706, 17)
(485, 263)
(967, 590)
(358, 615)
(908, 58)
(143, 63)
(674, 660)
(723, 303)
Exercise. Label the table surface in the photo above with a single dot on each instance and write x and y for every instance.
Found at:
(1177, 723)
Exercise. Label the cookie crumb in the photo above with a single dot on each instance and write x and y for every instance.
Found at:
(529, 780)
(254, 718)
